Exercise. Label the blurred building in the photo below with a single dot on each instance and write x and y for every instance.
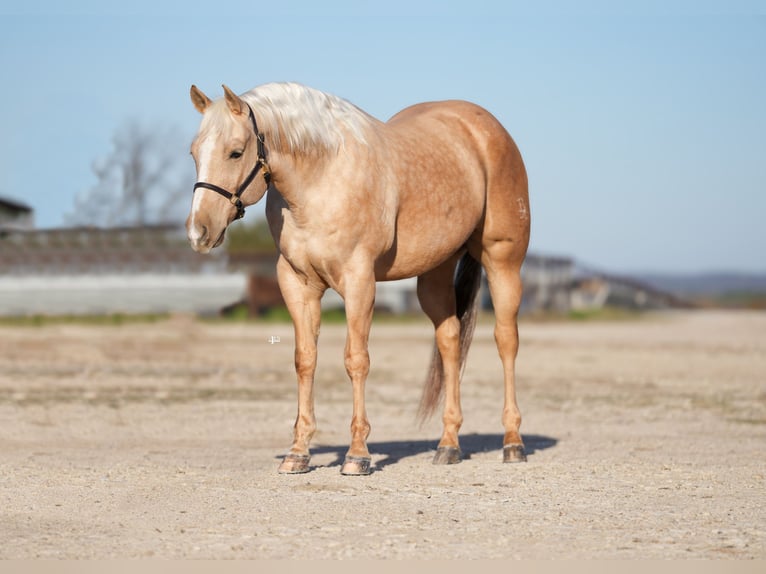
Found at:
(152, 269)
(559, 285)
(89, 271)
(15, 215)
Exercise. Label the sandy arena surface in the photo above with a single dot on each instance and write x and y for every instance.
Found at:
(646, 439)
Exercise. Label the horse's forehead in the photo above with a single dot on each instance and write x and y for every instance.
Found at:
(219, 125)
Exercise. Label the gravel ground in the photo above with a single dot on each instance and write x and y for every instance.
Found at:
(646, 439)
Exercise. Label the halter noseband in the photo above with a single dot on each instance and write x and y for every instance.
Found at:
(234, 198)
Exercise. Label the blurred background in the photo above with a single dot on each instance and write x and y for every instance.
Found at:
(641, 124)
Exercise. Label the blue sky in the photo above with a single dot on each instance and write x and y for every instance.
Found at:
(642, 124)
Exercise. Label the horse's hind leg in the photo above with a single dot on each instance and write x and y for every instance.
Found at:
(504, 277)
(436, 294)
(503, 240)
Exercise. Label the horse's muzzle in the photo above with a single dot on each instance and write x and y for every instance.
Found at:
(201, 241)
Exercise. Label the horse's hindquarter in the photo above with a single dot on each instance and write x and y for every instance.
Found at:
(444, 154)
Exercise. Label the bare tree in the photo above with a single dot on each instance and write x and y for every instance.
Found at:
(145, 179)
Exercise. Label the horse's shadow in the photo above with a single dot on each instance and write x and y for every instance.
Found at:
(470, 444)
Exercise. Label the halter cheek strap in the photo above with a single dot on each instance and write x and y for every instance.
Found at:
(260, 163)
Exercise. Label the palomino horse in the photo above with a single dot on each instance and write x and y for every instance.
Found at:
(437, 192)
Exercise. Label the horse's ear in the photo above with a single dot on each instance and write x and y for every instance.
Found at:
(235, 104)
(200, 100)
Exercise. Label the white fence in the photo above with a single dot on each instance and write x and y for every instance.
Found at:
(108, 294)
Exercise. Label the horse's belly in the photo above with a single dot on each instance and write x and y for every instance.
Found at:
(421, 250)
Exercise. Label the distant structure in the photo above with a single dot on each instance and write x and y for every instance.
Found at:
(128, 251)
(557, 284)
(92, 271)
(395, 297)
(552, 284)
(547, 283)
(15, 215)
(627, 293)
(151, 269)
(262, 292)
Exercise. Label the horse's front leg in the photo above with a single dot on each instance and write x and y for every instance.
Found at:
(303, 303)
(359, 296)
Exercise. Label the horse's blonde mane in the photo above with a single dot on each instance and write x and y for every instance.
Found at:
(301, 120)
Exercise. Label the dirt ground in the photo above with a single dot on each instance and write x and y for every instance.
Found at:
(646, 439)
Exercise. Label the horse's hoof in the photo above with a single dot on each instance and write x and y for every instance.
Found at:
(356, 466)
(295, 464)
(447, 455)
(514, 453)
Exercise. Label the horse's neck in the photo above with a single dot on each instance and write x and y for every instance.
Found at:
(300, 175)
(292, 177)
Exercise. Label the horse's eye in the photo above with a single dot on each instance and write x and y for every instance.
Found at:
(235, 155)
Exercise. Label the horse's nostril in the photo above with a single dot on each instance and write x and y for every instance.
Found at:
(198, 234)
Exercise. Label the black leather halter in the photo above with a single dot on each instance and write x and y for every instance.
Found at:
(234, 198)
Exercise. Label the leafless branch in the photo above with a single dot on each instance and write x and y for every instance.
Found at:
(145, 179)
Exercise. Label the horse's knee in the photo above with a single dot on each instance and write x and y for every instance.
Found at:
(357, 363)
(506, 331)
(305, 363)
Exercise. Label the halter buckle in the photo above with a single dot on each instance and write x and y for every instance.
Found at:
(237, 202)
